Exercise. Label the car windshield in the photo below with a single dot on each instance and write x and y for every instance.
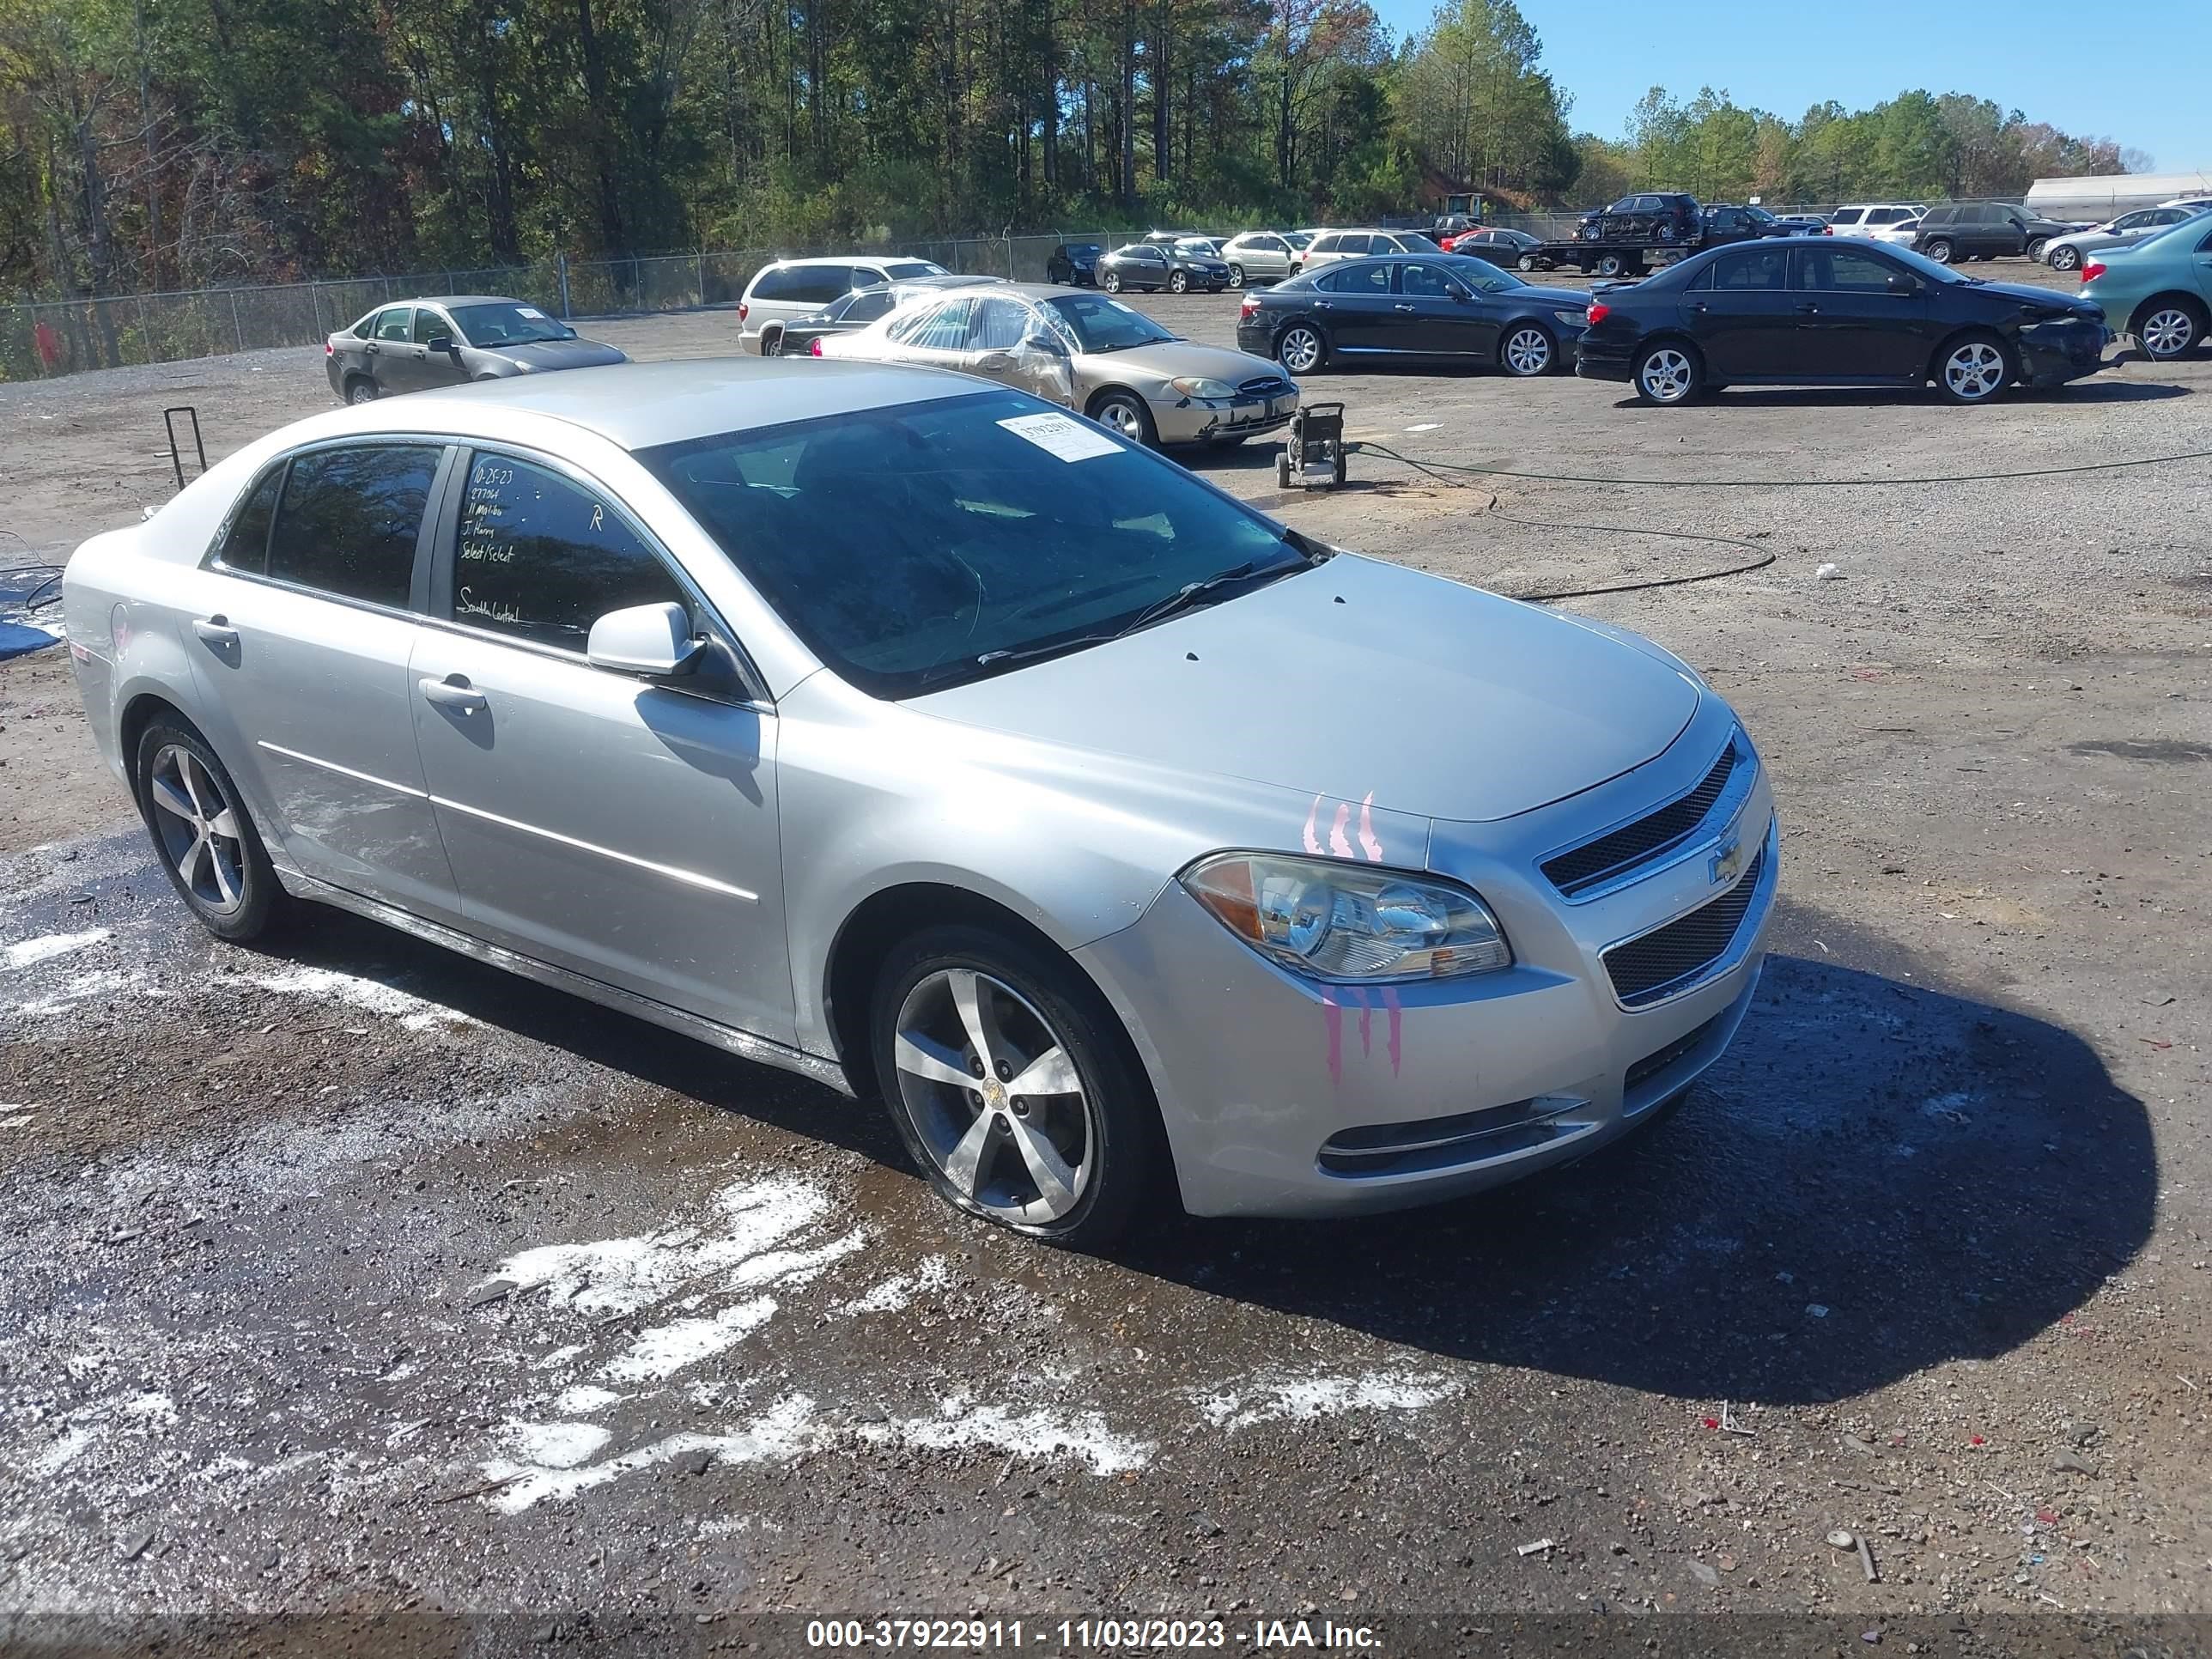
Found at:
(1414, 242)
(925, 544)
(506, 323)
(1297, 239)
(1083, 247)
(1482, 275)
(900, 271)
(1762, 215)
(1099, 324)
(1924, 267)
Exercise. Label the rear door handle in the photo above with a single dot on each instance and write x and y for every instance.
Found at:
(1809, 310)
(1402, 307)
(454, 692)
(216, 631)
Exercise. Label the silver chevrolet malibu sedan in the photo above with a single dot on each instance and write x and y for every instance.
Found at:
(942, 745)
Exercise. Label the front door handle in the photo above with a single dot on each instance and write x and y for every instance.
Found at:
(454, 692)
(216, 631)
(1402, 307)
(1809, 309)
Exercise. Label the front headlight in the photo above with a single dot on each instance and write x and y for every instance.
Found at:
(1197, 385)
(1349, 924)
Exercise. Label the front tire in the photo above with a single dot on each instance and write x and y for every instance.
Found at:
(1527, 262)
(1941, 251)
(1974, 369)
(1178, 282)
(1301, 349)
(1124, 414)
(203, 835)
(1111, 282)
(1668, 374)
(1014, 1088)
(2169, 327)
(2035, 248)
(1528, 352)
(2066, 257)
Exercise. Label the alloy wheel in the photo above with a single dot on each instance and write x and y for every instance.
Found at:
(2168, 331)
(2065, 259)
(198, 826)
(1235, 276)
(994, 1096)
(1111, 282)
(1528, 351)
(1178, 282)
(1300, 350)
(1666, 376)
(772, 344)
(362, 391)
(1125, 417)
(1974, 371)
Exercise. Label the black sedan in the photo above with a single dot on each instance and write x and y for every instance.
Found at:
(1075, 263)
(1148, 266)
(1835, 311)
(1447, 308)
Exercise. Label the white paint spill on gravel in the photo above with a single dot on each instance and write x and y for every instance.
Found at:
(25, 953)
(1303, 1398)
(371, 996)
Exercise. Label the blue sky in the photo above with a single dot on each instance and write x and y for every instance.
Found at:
(2053, 61)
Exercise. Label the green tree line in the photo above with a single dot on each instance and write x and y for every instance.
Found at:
(176, 143)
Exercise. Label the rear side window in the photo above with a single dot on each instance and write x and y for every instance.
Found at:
(1324, 243)
(776, 282)
(1754, 269)
(391, 323)
(1359, 277)
(542, 557)
(998, 325)
(243, 543)
(943, 328)
(820, 284)
(350, 518)
(1847, 216)
(1941, 216)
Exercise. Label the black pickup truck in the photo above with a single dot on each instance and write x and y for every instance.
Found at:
(1652, 228)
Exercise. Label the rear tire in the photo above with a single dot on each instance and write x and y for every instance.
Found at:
(361, 390)
(204, 837)
(2169, 326)
(1667, 374)
(1611, 264)
(772, 343)
(1941, 251)
(1071, 1165)
(1302, 348)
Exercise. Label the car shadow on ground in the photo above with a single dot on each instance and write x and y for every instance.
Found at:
(1880, 1176)
(1764, 396)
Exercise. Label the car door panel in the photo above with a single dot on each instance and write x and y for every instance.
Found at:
(620, 828)
(1355, 307)
(1745, 324)
(438, 369)
(1443, 318)
(1850, 322)
(308, 692)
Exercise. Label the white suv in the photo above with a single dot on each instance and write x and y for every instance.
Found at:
(791, 288)
(1879, 222)
(1331, 245)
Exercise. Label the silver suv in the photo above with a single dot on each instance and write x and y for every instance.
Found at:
(788, 290)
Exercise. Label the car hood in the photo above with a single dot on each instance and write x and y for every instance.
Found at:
(1170, 358)
(558, 354)
(1356, 680)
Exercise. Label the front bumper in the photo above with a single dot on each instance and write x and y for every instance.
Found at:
(2051, 354)
(1191, 420)
(1282, 1096)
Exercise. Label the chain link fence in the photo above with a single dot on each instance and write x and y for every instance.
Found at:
(41, 339)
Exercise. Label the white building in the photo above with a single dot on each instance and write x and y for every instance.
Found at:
(2106, 196)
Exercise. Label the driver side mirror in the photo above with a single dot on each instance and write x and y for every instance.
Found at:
(1901, 283)
(652, 642)
(1046, 341)
(439, 345)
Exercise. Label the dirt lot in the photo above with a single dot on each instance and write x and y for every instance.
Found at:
(356, 1281)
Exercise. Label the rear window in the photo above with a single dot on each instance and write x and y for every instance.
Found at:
(776, 282)
(350, 519)
(243, 542)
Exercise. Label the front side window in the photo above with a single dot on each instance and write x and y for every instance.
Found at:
(1842, 271)
(394, 322)
(1425, 281)
(541, 558)
(863, 304)
(915, 546)
(350, 518)
(428, 324)
(998, 326)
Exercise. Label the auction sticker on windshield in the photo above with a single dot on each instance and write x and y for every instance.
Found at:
(1062, 435)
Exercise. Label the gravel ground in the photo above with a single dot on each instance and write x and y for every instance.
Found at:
(352, 1282)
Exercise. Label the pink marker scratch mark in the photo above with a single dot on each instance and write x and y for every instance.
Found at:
(1397, 1024)
(1368, 844)
(1366, 1024)
(1332, 1015)
(1312, 841)
(1338, 844)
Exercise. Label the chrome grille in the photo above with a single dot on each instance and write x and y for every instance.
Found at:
(1647, 970)
(1264, 386)
(1652, 836)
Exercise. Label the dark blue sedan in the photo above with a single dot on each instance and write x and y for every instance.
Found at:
(1445, 307)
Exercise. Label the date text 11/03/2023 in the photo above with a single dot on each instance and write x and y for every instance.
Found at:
(1084, 1635)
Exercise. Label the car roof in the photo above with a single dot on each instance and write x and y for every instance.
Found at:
(853, 259)
(449, 301)
(642, 405)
